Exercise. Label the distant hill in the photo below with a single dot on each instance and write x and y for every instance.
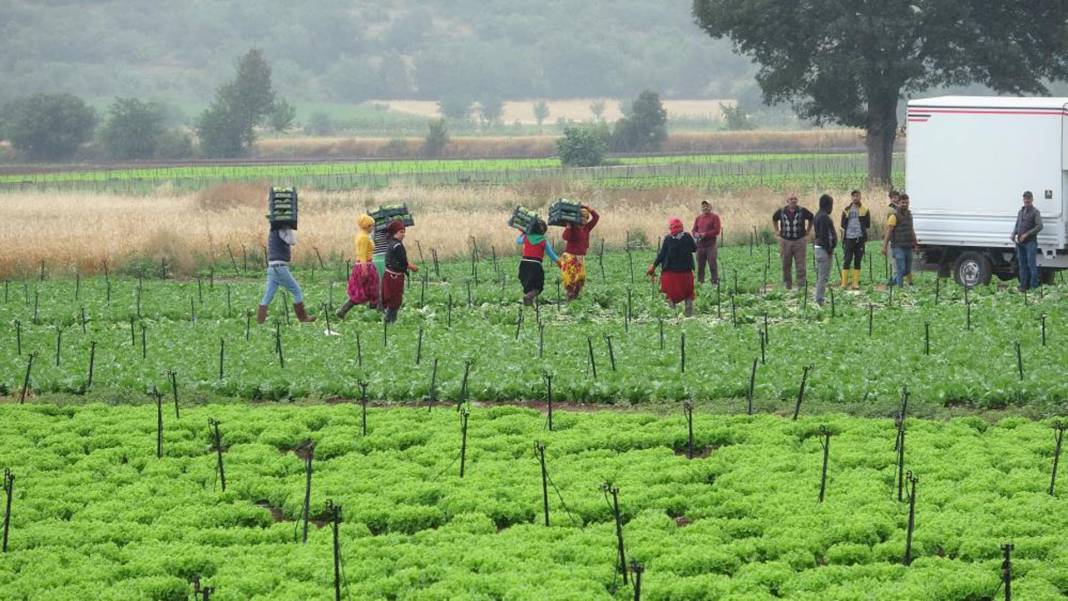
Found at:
(348, 51)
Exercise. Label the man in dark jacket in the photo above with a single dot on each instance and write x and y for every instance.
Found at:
(824, 243)
(1025, 235)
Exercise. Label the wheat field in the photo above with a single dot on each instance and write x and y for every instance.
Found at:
(80, 231)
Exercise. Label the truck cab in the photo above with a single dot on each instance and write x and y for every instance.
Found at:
(968, 161)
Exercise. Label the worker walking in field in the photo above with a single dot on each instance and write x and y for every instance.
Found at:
(1025, 235)
(901, 236)
(363, 281)
(824, 242)
(397, 268)
(706, 230)
(676, 260)
(792, 225)
(531, 272)
(855, 223)
(280, 242)
(573, 264)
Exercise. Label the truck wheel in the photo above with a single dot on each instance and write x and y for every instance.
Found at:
(972, 269)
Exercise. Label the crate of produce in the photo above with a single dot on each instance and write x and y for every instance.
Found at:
(565, 212)
(523, 219)
(388, 213)
(282, 206)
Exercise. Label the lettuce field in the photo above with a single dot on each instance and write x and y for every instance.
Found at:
(892, 444)
(97, 514)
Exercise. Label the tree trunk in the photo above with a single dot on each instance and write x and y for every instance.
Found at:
(881, 133)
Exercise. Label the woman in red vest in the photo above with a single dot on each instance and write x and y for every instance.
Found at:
(531, 272)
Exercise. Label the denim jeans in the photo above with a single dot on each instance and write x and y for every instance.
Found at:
(278, 275)
(902, 264)
(1027, 258)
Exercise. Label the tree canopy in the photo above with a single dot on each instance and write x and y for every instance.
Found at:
(850, 63)
(48, 127)
(226, 127)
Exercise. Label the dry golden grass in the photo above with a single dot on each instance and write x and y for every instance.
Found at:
(573, 109)
(545, 145)
(69, 231)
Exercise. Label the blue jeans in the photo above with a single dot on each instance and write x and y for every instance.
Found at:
(902, 264)
(1027, 258)
(278, 275)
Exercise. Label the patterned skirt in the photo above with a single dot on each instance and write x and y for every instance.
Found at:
(363, 284)
(573, 273)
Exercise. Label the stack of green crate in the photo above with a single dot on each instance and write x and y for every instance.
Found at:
(523, 219)
(282, 207)
(565, 212)
(389, 213)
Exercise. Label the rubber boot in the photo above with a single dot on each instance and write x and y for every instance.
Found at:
(856, 279)
(845, 278)
(261, 314)
(345, 309)
(688, 308)
(302, 315)
(908, 278)
(390, 315)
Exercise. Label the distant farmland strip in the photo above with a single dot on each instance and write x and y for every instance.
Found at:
(708, 171)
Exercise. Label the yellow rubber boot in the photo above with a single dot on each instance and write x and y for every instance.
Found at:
(856, 279)
(845, 278)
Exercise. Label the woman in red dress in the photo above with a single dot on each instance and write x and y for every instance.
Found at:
(676, 260)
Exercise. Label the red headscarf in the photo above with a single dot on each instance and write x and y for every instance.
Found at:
(675, 226)
(395, 226)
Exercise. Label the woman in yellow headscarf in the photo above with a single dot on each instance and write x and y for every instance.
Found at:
(363, 281)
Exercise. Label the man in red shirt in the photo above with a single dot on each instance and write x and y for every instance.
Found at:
(573, 263)
(706, 229)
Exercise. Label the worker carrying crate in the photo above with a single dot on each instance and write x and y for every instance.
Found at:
(282, 207)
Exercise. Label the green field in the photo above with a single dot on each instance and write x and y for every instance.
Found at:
(948, 349)
(97, 515)
(711, 171)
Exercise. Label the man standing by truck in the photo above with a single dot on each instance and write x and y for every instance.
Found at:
(902, 237)
(792, 224)
(1025, 235)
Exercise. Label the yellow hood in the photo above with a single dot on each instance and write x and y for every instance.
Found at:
(365, 222)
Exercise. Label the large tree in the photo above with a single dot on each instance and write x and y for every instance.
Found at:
(133, 129)
(850, 62)
(48, 127)
(227, 126)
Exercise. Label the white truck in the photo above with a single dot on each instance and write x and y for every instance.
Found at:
(968, 162)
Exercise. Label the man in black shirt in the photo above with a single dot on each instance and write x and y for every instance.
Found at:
(792, 226)
(825, 241)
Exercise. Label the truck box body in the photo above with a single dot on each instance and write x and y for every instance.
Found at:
(968, 162)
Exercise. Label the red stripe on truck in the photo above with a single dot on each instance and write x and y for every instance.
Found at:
(1046, 112)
